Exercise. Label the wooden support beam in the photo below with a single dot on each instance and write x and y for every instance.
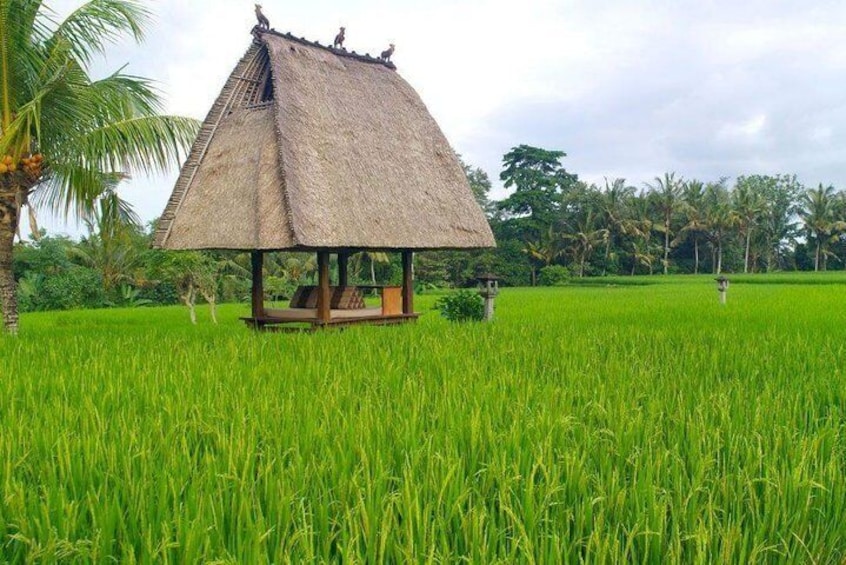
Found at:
(324, 296)
(258, 284)
(407, 282)
(343, 269)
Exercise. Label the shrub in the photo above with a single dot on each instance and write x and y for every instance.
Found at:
(160, 293)
(462, 306)
(554, 275)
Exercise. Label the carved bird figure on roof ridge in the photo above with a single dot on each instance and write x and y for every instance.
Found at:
(263, 22)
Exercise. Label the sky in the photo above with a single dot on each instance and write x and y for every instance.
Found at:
(630, 89)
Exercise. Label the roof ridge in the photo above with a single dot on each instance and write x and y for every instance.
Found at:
(366, 58)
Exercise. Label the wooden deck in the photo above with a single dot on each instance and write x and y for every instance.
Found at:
(298, 323)
(324, 307)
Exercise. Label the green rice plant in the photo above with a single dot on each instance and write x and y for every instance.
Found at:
(643, 424)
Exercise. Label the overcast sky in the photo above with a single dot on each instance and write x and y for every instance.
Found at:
(626, 88)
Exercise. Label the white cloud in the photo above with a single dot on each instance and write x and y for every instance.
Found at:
(628, 88)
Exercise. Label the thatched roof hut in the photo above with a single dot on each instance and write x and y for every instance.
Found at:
(308, 147)
(313, 148)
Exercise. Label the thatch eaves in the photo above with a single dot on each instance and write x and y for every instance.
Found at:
(313, 148)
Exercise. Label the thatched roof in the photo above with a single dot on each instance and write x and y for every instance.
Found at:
(308, 147)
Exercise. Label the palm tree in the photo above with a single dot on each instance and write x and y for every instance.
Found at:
(63, 135)
(546, 249)
(720, 219)
(584, 239)
(639, 228)
(112, 247)
(748, 207)
(613, 205)
(372, 257)
(666, 194)
(695, 226)
(818, 213)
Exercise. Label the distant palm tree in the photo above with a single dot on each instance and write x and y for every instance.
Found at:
(584, 239)
(818, 214)
(64, 135)
(666, 194)
(108, 248)
(372, 258)
(638, 228)
(613, 205)
(748, 207)
(720, 219)
(545, 250)
(695, 225)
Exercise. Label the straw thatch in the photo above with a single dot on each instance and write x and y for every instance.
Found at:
(312, 148)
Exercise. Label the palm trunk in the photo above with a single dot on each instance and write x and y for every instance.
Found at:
(695, 255)
(607, 253)
(666, 244)
(372, 271)
(817, 257)
(720, 258)
(746, 256)
(8, 290)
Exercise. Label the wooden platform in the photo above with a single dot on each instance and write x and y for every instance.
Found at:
(290, 323)
(324, 305)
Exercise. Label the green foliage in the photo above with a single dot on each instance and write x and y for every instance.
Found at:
(539, 180)
(87, 132)
(76, 287)
(554, 275)
(132, 298)
(585, 231)
(463, 305)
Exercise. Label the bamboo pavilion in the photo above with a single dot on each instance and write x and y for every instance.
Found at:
(311, 148)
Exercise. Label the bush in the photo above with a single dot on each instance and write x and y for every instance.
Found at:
(160, 293)
(77, 287)
(554, 275)
(462, 306)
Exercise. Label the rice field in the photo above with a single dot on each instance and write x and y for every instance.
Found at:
(641, 423)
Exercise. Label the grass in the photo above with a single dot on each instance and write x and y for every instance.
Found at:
(640, 424)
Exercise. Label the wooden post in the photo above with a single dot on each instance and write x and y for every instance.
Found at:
(407, 282)
(343, 268)
(324, 296)
(258, 284)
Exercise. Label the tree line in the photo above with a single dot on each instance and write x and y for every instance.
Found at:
(553, 227)
(67, 140)
(550, 229)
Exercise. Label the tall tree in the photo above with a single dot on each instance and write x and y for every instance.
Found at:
(695, 227)
(776, 225)
(613, 207)
(543, 251)
(480, 184)
(64, 135)
(584, 237)
(666, 196)
(639, 229)
(538, 180)
(720, 218)
(818, 214)
(749, 208)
